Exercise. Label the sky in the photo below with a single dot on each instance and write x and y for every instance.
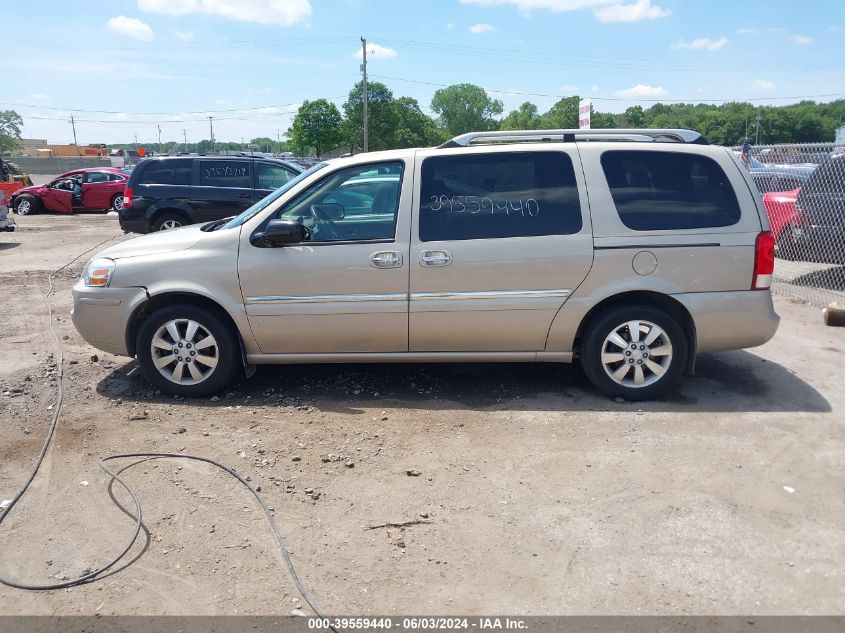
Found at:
(124, 68)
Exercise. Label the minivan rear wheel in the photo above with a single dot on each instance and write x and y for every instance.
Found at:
(187, 350)
(169, 220)
(635, 352)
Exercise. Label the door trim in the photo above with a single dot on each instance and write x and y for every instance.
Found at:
(494, 294)
(346, 298)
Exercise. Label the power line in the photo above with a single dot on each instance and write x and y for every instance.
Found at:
(202, 112)
(541, 94)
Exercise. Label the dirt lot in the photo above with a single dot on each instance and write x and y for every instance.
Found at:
(542, 496)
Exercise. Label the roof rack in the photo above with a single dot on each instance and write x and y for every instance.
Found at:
(571, 136)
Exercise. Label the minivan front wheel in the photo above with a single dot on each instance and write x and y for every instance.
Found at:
(187, 350)
(634, 352)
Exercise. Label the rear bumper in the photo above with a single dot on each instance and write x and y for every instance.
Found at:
(133, 221)
(101, 315)
(731, 320)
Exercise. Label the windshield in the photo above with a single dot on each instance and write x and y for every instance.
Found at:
(262, 204)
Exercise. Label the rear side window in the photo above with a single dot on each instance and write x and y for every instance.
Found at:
(829, 178)
(225, 173)
(660, 191)
(272, 176)
(176, 171)
(509, 194)
(96, 176)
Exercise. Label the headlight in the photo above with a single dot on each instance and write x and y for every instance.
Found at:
(98, 272)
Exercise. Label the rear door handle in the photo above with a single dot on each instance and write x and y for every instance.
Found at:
(435, 258)
(386, 259)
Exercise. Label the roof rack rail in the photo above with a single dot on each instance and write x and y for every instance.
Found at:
(571, 136)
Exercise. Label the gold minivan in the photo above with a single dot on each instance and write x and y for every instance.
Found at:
(628, 250)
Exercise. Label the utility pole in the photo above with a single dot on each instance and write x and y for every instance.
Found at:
(365, 95)
(757, 131)
(159, 138)
(73, 125)
(185, 135)
(136, 141)
(211, 131)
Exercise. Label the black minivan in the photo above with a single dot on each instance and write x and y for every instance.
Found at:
(169, 192)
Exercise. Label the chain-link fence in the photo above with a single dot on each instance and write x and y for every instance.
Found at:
(803, 188)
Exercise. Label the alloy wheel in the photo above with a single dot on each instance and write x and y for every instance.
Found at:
(170, 224)
(636, 354)
(184, 352)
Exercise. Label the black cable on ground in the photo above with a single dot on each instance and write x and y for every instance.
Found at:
(91, 576)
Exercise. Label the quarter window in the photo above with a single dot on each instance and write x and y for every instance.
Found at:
(174, 171)
(357, 203)
(273, 176)
(663, 191)
(225, 173)
(496, 195)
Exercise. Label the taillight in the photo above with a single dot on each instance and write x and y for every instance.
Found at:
(127, 197)
(764, 261)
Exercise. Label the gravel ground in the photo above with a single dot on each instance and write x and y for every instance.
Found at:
(535, 495)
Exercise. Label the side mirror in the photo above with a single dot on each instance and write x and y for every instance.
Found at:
(279, 233)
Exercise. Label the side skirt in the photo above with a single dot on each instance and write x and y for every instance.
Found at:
(412, 357)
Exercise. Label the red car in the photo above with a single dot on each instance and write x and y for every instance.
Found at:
(92, 189)
(786, 221)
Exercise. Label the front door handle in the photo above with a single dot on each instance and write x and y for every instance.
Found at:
(435, 258)
(386, 259)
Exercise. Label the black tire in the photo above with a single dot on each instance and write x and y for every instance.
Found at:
(787, 249)
(161, 223)
(31, 204)
(226, 350)
(593, 345)
(13, 168)
(116, 202)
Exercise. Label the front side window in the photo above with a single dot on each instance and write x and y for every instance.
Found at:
(272, 176)
(357, 203)
(173, 171)
(661, 191)
(497, 195)
(226, 173)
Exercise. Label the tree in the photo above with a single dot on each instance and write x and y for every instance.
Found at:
(265, 144)
(466, 108)
(316, 125)
(414, 128)
(563, 114)
(10, 130)
(525, 118)
(381, 113)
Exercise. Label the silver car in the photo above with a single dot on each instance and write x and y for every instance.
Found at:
(629, 250)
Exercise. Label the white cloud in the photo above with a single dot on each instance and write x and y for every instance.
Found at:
(568, 89)
(376, 51)
(643, 91)
(747, 31)
(594, 89)
(185, 36)
(131, 27)
(605, 10)
(450, 26)
(477, 29)
(763, 85)
(801, 39)
(639, 10)
(38, 96)
(279, 12)
(701, 43)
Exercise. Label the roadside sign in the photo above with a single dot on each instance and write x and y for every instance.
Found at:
(142, 151)
(584, 109)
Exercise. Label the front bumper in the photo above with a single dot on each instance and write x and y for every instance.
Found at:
(101, 315)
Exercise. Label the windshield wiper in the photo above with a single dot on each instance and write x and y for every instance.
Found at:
(216, 224)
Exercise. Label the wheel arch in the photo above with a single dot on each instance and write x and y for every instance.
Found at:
(169, 206)
(644, 297)
(157, 301)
